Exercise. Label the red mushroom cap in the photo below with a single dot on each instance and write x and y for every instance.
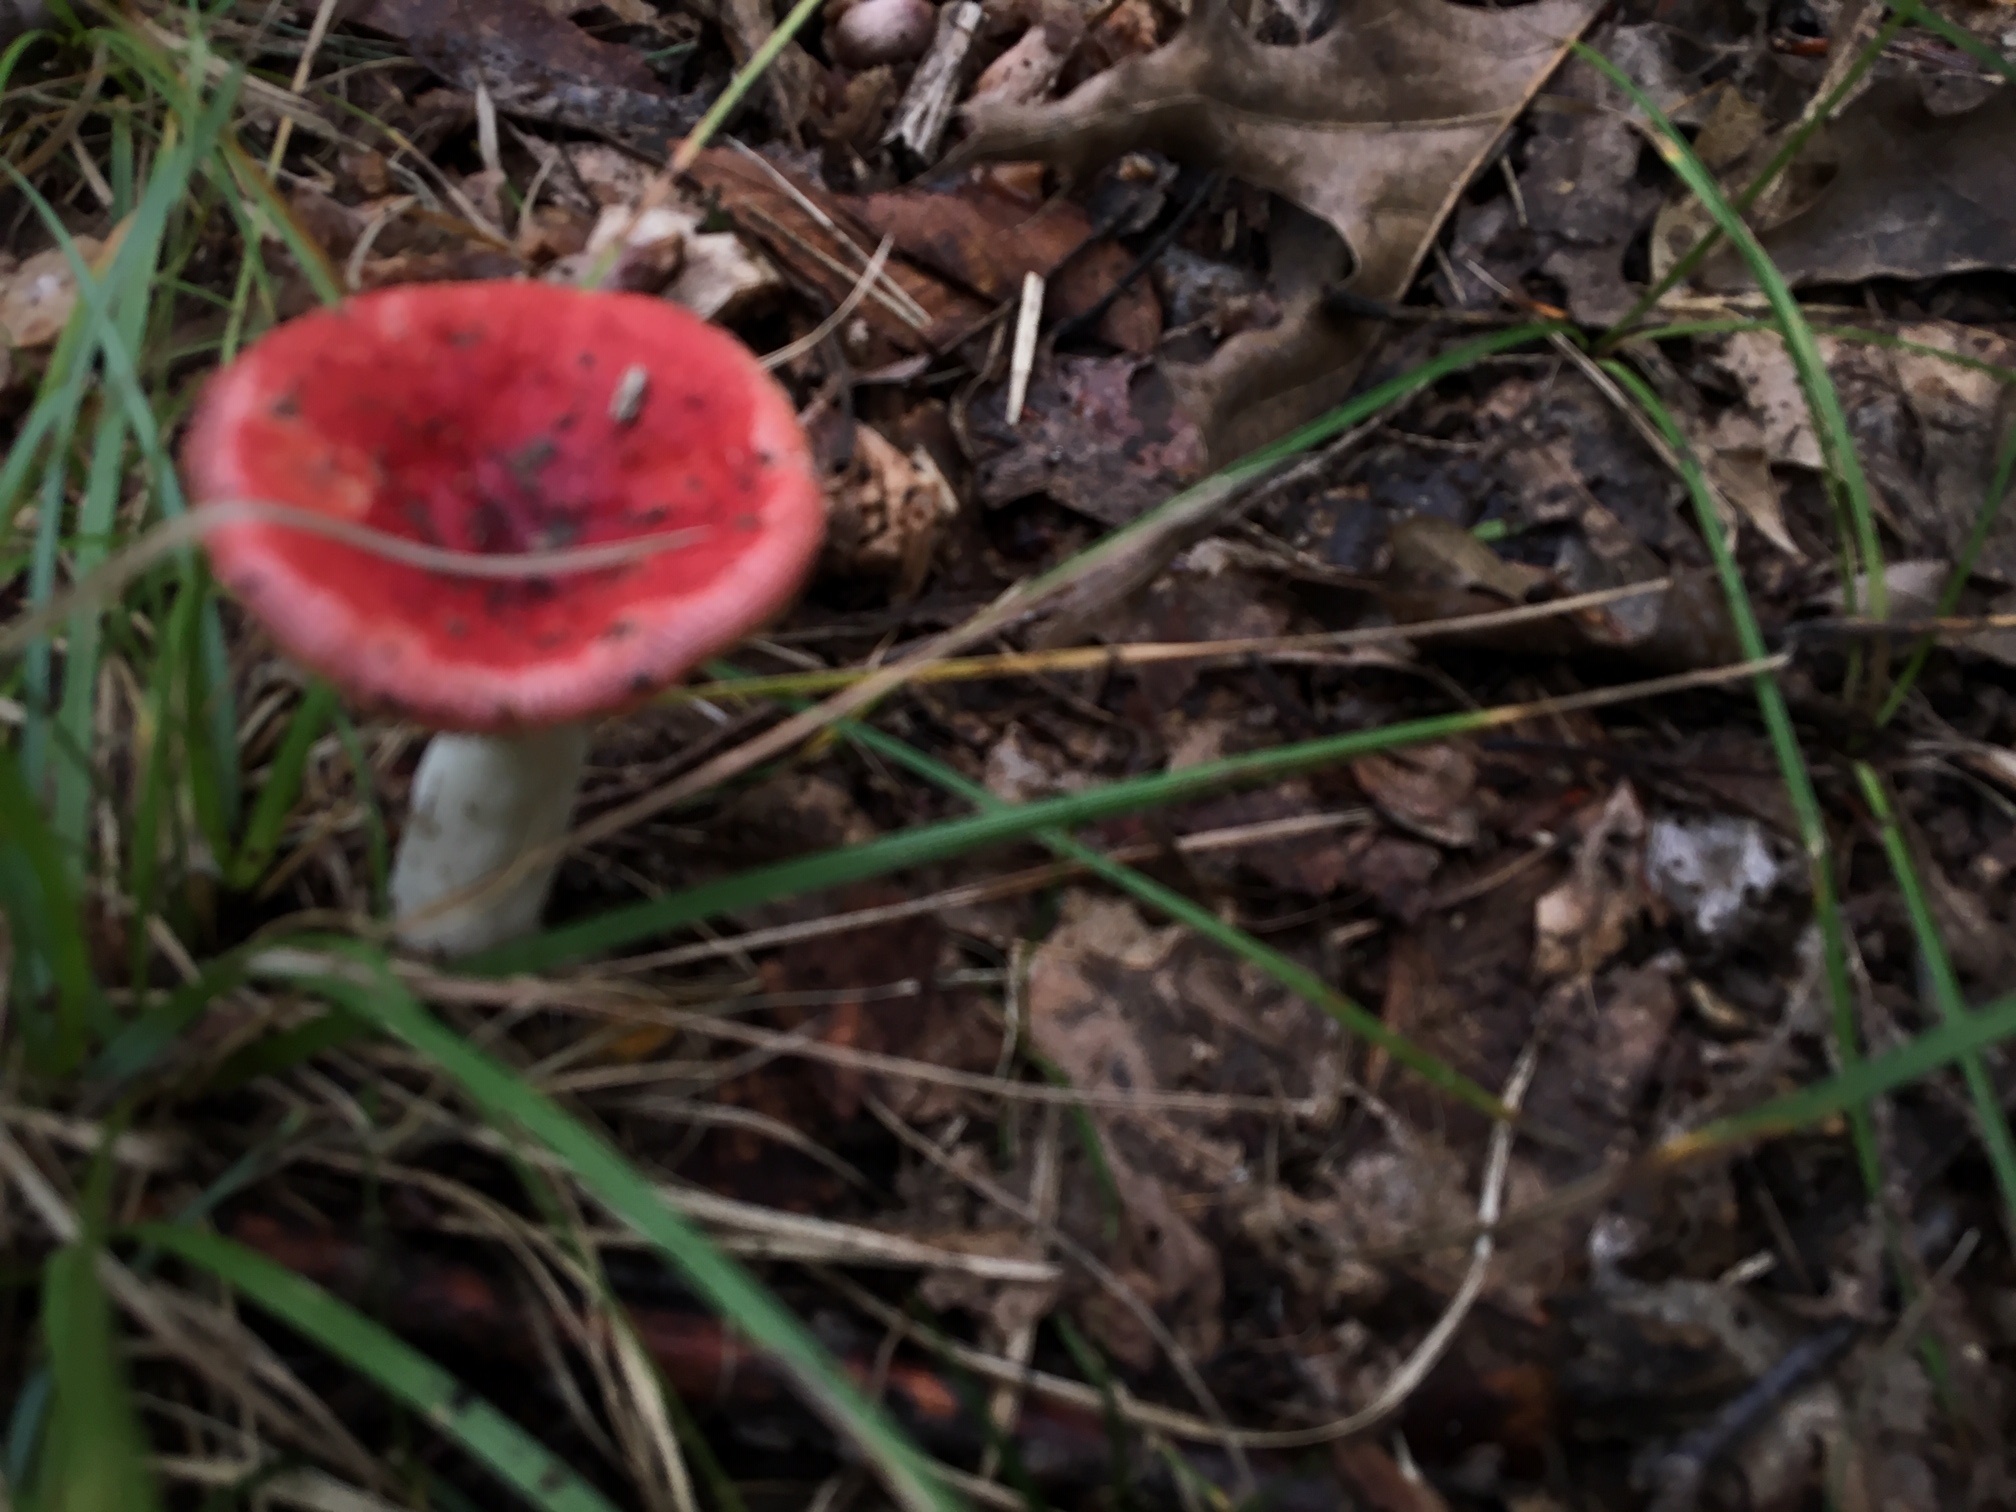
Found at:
(507, 417)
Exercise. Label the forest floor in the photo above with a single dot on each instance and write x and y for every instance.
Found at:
(1377, 872)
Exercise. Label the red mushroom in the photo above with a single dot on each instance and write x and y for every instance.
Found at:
(504, 418)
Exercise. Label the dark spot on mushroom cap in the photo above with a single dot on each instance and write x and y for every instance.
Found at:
(747, 521)
(550, 640)
(695, 402)
(288, 405)
(456, 626)
(415, 512)
(464, 337)
(617, 630)
(526, 463)
(586, 359)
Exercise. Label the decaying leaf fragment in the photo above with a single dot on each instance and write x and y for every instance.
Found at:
(38, 296)
(536, 64)
(813, 237)
(1904, 192)
(1127, 1010)
(1374, 129)
(1580, 924)
(1926, 427)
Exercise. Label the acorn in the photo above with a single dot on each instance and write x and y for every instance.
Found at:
(872, 32)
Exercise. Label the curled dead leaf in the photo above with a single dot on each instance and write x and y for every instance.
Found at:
(536, 64)
(1897, 190)
(1427, 789)
(986, 237)
(37, 298)
(1587, 919)
(1373, 129)
(888, 510)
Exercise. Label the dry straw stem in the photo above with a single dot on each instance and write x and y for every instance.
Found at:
(787, 735)
(217, 1346)
(1220, 1429)
(103, 585)
(1399, 1386)
(1030, 879)
(743, 1227)
(1156, 653)
(290, 962)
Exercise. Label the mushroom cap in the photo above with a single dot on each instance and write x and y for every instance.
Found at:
(506, 417)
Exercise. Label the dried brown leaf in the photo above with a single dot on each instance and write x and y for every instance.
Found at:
(1128, 1009)
(1374, 129)
(37, 298)
(1926, 427)
(1902, 192)
(888, 509)
(815, 237)
(1428, 789)
(1586, 920)
(536, 64)
(1148, 447)
(985, 237)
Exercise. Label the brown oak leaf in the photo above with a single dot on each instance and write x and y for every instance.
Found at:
(1373, 130)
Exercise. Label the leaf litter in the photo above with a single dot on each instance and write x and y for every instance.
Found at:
(1098, 1145)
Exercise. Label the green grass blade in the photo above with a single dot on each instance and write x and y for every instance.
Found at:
(939, 842)
(1945, 989)
(144, 1039)
(1903, 12)
(1290, 973)
(51, 956)
(282, 786)
(744, 80)
(725, 1286)
(1959, 36)
(105, 332)
(72, 779)
(93, 1459)
(511, 1454)
(153, 792)
(1862, 550)
(1784, 739)
(1853, 1088)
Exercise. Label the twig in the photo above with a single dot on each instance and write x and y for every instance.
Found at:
(1678, 1475)
(792, 351)
(1159, 243)
(105, 582)
(926, 107)
(1221, 1430)
(1402, 1384)
(1022, 355)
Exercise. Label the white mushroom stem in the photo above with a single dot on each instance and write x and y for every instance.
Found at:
(479, 803)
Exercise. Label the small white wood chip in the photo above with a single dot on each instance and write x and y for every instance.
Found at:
(1023, 358)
